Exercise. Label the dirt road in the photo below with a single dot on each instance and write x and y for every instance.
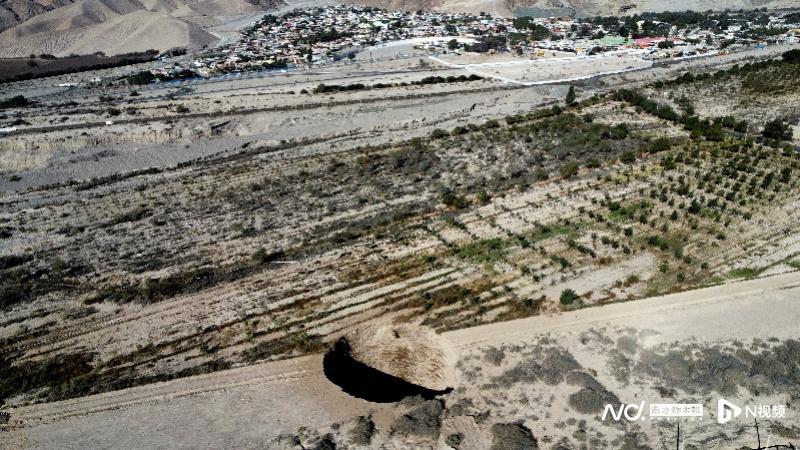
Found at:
(247, 407)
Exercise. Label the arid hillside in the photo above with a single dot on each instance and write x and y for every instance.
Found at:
(303, 212)
(116, 26)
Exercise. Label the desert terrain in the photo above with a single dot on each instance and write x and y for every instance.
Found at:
(180, 256)
(630, 349)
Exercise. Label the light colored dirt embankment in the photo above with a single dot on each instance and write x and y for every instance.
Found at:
(249, 406)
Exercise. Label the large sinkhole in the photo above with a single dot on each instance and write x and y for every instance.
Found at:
(387, 363)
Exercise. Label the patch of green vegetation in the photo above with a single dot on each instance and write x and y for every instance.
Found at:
(795, 264)
(545, 232)
(620, 213)
(483, 251)
(454, 201)
(744, 272)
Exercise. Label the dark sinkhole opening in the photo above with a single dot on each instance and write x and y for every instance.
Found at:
(367, 383)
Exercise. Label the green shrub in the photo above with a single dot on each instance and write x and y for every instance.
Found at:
(777, 130)
(439, 134)
(660, 145)
(570, 99)
(628, 157)
(452, 200)
(569, 297)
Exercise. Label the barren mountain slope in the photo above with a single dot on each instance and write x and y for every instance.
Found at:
(113, 34)
(15, 11)
(116, 26)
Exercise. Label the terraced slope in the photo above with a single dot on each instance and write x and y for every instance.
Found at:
(622, 351)
(276, 251)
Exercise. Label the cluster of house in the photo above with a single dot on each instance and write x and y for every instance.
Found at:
(315, 36)
(320, 35)
(677, 43)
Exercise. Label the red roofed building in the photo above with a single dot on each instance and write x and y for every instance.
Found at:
(648, 41)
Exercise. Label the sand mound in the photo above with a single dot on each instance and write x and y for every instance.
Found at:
(414, 354)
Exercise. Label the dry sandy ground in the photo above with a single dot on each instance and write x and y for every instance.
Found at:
(249, 407)
(531, 72)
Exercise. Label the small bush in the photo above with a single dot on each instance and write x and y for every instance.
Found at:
(362, 432)
(512, 436)
(425, 420)
(570, 99)
(569, 297)
(439, 134)
(660, 145)
(628, 157)
(452, 200)
(777, 130)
